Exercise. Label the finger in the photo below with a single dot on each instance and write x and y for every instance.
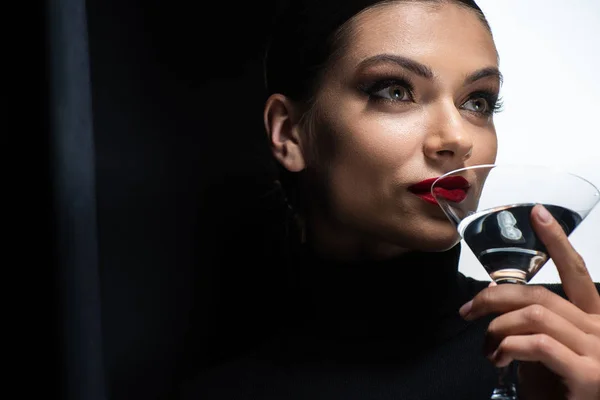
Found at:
(502, 299)
(574, 275)
(537, 348)
(536, 319)
(580, 373)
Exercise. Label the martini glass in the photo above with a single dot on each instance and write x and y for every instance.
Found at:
(490, 206)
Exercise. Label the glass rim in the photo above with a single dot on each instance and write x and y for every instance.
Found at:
(531, 166)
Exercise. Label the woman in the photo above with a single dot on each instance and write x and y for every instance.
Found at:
(367, 99)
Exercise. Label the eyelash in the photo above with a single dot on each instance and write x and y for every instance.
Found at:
(371, 88)
(495, 102)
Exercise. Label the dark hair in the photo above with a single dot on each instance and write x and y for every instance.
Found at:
(307, 33)
(305, 37)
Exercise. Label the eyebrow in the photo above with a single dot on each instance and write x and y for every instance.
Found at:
(484, 73)
(406, 63)
(423, 70)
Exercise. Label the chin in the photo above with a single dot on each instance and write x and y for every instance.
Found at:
(436, 245)
(437, 237)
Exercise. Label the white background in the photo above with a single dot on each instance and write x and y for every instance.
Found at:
(550, 58)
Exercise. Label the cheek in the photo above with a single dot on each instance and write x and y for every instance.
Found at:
(367, 161)
(485, 148)
(376, 144)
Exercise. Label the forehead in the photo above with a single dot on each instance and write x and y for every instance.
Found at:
(441, 35)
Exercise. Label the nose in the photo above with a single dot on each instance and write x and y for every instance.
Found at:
(448, 139)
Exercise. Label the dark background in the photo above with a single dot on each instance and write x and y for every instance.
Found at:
(181, 163)
(186, 260)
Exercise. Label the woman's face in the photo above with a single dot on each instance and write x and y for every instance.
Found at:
(410, 97)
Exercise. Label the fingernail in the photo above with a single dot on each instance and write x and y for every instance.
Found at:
(466, 309)
(494, 357)
(544, 216)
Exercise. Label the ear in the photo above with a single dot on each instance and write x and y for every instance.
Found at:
(281, 118)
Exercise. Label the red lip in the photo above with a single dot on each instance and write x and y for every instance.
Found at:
(451, 188)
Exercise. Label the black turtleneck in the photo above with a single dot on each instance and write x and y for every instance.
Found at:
(366, 330)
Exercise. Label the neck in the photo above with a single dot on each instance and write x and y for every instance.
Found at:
(333, 241)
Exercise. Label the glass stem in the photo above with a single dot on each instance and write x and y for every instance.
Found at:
(505, 389)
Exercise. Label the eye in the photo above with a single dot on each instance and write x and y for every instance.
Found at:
(479, 105)
(394, 92)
